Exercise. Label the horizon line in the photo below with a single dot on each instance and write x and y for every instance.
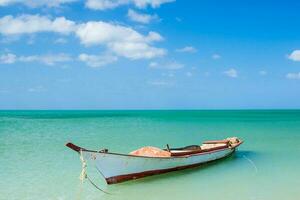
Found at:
(162, 109)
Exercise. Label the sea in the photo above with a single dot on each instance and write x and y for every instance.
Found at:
(36, 164)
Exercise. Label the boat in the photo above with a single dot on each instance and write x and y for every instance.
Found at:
(148, 161)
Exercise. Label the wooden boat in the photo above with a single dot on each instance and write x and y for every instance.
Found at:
(116, 167)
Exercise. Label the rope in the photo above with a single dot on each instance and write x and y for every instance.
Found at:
(83, 174)
(88, 178)
(251, 162)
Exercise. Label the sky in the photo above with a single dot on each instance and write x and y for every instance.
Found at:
(149, 54)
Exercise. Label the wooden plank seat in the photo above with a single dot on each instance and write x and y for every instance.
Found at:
(194, 149)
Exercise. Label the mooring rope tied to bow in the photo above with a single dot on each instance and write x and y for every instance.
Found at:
(83, 174)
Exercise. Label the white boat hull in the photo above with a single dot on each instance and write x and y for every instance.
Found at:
(120, 167)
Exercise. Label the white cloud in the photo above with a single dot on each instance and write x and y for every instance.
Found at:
(37, 89)
(121, 40)
(152, 3)
(170, 65)
(295, 55)
(187, 49)
(50, 59)
(153, 37)
(97, 60)
(110, 4)
(153, 64)
(262, 72)
(8, 58)
(135, 51)
(36, 3)
(189, 74)
(293, 75)
(160, 83)
(215, 56)
(60, 41)
(26, 24)
(173, 65)
(141, 18)
(6, 2)
(45, 59)
(104, 4)
(98, 32)
(231, 73)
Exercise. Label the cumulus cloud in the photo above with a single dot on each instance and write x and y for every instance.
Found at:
(98, 32)
(8, 58)
(231, 73)
(295, 55)
(187, 49)
(141, 18)
(170, 65)
(110, 4)
(97, 60)
(154, 37)
(136, 50)
(45, 59)
(36, 3)
(104, 4)
(26, 24)
(121, 40)
(293, 76)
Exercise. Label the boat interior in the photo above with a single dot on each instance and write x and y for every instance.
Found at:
(149, 151)
(206, 146)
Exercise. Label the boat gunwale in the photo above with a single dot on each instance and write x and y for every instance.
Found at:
(78, 149)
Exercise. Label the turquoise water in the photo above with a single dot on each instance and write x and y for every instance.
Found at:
(36, 165)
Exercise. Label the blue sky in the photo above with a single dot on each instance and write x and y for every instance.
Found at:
(149, 54)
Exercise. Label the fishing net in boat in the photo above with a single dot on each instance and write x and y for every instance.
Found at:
(150, 152)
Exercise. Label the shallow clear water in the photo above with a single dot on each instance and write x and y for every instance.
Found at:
(36, 165)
